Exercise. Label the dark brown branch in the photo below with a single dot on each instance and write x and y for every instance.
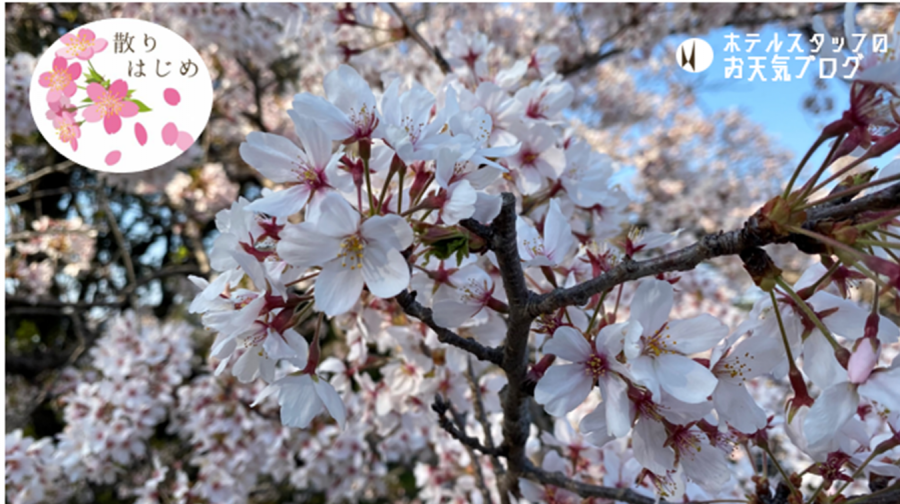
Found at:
(889, 495)
(586, 61)
(413, 308)
(442, 407)
(411, 31)
(585, 490)
(516, 418)
(710, 246)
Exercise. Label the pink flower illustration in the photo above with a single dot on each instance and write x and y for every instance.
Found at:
(67, 129)
(60, 80)
(109, 105)
(81, 46)
(64, 105)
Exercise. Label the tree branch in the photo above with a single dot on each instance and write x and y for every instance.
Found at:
(433, 51)
(441, 407)
(516, 418)
(413, 308)
(481, 416)
(710, 246)
(585, 490)
(65, 165)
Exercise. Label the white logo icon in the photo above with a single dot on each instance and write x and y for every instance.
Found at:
(694, 55)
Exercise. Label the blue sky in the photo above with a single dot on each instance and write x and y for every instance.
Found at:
(777, 106)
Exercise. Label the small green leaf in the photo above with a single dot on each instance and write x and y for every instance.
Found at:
(130, 91)
(87, 100)
(141, 106)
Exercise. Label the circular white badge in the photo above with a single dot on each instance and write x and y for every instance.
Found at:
(121, 95)
(694, 55)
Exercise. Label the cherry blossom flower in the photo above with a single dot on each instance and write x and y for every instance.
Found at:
(110, 105)
(538, 159)
(544, 100)
(840, 401)
(303, 397)
(586, 176)
(469, 291)
(470, 51)
(67, 129)
(551, 249)
(350, 113)
(656, 350)
(752, 357)
(61, 80)
(82, 46)
(565, 386)
(309, 173)
(407, 122)
(350, 252)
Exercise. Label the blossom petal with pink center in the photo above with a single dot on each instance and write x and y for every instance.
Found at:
(450, 313)
(274, 156)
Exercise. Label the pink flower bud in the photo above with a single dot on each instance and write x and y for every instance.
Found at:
(863, 360)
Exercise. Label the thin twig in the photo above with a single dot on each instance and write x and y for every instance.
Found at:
(442, 407)
(559, 480)
(413, 308)
(460, 421)
(62, 166)
(481, 416)
(433, 51)
(119, 237)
